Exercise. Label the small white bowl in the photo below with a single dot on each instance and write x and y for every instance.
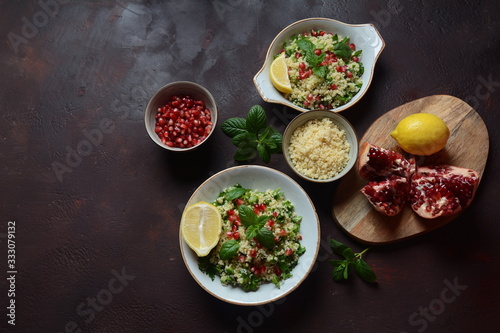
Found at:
(162, 96)
(365, 36)
(338, 120)
(258, 178)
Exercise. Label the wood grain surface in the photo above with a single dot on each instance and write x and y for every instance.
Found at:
(467, 147)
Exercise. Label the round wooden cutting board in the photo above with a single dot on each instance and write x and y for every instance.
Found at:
(467, 147)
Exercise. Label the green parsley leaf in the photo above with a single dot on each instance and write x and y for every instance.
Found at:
(207, 267)
(229, 249)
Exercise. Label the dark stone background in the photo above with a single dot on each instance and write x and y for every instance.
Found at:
(89, 65)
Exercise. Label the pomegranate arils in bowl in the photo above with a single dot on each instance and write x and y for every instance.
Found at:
(180, 116)
(183, 122)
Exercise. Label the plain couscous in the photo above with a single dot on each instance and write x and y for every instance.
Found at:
(324, 70)
(260, 239)
(319, 149)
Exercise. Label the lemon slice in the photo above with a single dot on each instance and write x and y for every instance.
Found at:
(201, 225)
(279, 74)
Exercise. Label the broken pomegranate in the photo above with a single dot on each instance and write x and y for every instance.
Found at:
(377, 163)
(388, 196)
(432, 191)
(442, 190)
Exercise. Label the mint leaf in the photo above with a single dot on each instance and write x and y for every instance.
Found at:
(261, 220)
(314, 60)
(252, 135)
(348, 253)
(252, 231)
(275, 142)
(242, 138)
(337, 246)
(342, 50)
(234, 126)
(341, 267)
(320, 71)
(247, 215)
(338, 272)
(256, 119)
(264, 152)
(235, 193)
(244, 154)
(305, 44)
(364, 271)
(229, 249)
(266, 237)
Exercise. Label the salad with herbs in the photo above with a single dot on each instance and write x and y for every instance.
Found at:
(260, 239)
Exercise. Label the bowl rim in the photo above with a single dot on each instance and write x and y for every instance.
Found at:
(195, 86)
(318, 114)
(340, 108)
(309, 268)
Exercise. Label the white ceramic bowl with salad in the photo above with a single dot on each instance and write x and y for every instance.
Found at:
(364, 37)
(257, 178)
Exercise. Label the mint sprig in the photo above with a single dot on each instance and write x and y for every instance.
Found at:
(252, 135)
(256, 226)
(341, 268)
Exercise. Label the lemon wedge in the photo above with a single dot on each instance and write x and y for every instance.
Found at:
(421, 134)
(279, 74)
(201, 225)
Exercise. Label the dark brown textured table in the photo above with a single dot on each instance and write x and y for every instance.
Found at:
(96, 232)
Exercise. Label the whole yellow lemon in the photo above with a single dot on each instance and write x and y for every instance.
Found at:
(421, 134)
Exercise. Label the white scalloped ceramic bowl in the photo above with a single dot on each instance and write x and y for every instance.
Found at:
(365, 36)
(258, 178)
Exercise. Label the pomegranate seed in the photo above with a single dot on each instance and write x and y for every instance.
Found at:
(352, 46)
(355, 59)
(333, 87)
(288, 252)
(349, 74)
(317, 52)
(252, 253)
